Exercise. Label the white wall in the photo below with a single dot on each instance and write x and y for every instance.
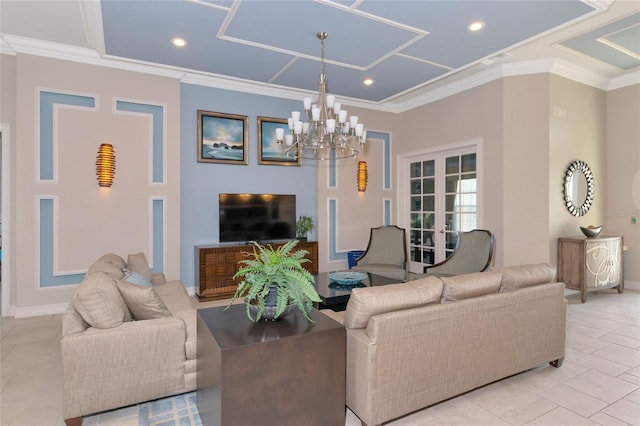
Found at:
(623, 175)
(577, 132)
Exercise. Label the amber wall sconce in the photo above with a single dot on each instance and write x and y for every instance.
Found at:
(105, 165)
(362, 176)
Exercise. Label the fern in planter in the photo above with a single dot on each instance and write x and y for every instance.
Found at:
(279, 268)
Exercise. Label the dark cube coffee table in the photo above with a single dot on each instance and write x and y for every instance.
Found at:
(335, 296)
(286, 372)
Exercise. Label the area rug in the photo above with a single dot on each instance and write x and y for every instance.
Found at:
(179, 410)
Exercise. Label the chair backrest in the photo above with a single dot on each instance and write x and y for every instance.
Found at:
(473, 253)
(387, 245)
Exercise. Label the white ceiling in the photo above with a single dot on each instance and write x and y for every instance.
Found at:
(412, 49)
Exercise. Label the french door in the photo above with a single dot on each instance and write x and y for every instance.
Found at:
(442, 202)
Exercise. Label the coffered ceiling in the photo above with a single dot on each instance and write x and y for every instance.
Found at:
(406, 47)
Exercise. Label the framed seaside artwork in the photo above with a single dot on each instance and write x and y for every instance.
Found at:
(268, 150)
(222, 138)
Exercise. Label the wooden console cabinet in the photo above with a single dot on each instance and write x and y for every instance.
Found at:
(216, 265)
(590, 264)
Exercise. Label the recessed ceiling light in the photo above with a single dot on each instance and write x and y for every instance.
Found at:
(367, 81)
(476, 26)
(179, 42)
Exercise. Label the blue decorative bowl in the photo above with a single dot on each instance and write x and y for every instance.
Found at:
(347, 277)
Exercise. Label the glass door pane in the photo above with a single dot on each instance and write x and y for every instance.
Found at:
(442, 203)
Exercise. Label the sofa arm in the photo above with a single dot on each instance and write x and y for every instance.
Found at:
(134, 362)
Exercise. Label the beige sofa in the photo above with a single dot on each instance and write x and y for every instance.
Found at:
(414, 344)
(125, 343)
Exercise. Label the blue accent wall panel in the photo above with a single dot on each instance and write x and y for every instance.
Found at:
(158, 235)
(157, 114)
(387, 212)
(47, 102)
(333, 233)
(200, 183)
(47, 279)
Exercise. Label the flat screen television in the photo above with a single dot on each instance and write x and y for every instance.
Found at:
(257, 217)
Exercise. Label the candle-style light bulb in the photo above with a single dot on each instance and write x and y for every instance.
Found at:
(331, 125)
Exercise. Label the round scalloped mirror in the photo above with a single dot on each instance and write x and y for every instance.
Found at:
(578, 188)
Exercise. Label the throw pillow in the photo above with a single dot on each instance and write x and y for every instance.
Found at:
(470, 285)
(143, 302)
(99, 302)
(138, 263)
(136, 278)
(101, 265)
(114, 259)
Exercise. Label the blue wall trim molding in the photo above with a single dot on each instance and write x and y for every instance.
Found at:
(157, 136)
(49, 101)
(387, 211)
(386, 154)
(46, 207)
(157, 229)
(333, 232)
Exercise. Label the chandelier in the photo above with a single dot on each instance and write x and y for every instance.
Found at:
(328, 133)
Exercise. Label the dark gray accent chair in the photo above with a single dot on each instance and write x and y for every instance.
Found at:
(473, 253)
(386, 254)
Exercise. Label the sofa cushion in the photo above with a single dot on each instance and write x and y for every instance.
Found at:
(174, 296)
(477, 284)
(143, 302)
(369, 301)
(99, 302)
(136, 278)
(515, 277)
(138, 263)
(101, 265)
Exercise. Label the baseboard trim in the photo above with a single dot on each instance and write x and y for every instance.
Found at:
(631, 285)
(36, 311)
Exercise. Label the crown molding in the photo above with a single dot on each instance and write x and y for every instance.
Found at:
(247, 86)
(624, 80)
(11, 45)
(5, 47)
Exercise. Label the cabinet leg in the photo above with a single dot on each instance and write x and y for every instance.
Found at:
(583, 295)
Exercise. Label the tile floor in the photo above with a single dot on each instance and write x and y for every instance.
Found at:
(598, 384)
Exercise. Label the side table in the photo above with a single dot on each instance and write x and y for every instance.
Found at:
(286, 372)
(591, 264)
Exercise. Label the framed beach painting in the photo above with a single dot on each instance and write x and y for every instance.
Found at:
(269, 151)
(222, 138)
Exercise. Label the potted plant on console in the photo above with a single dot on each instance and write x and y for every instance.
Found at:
(275, 282)
(304, 225)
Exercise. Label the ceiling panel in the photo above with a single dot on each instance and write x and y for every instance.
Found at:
(617, 43)
(404, 46)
